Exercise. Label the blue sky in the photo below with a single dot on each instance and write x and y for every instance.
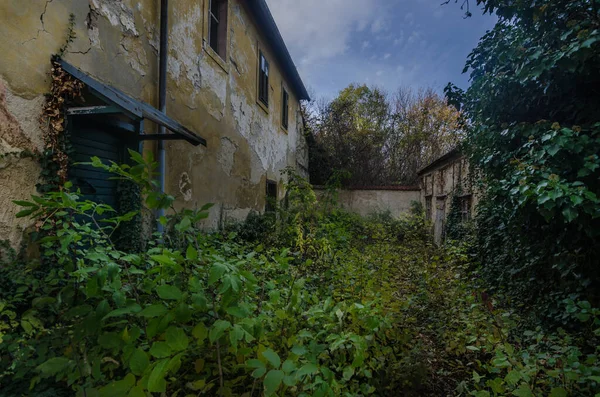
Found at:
(387, 43)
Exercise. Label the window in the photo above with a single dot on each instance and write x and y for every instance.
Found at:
(285, 103)
(217, 27)
(263, 79)
(465, 208)
(428, 202)
(271, 204)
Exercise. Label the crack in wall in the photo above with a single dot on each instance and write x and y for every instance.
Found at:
(43, 29)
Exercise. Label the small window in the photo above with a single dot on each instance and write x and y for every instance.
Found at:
(428, 201)
(271, 204)
(285, 103)
(263, 80)
(217, 27)
(465, 208)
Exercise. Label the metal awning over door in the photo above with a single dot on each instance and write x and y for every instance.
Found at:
(117, 102)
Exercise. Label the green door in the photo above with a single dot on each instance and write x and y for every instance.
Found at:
(91, 138)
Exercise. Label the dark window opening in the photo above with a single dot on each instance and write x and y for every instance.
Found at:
(428, 203)
(263, 80)
(465, 208)
(217, 27)
(271, 204)
(285, 109)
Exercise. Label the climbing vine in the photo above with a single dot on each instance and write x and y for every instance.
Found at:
(55, 157)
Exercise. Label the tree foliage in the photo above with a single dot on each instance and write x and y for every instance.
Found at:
(377, 137)
(535, 137)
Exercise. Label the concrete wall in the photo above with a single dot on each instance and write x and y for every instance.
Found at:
(367, 202)
(117, 43)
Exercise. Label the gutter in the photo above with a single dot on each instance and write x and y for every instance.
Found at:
(162, 99)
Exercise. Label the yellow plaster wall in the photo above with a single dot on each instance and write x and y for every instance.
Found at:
(117, 43)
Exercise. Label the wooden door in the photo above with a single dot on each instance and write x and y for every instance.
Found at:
(440, 220)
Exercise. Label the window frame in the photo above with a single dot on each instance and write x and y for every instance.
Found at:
(221, 18)
(429, 207)
(285, 108)
(465, 208)
(270, 199)
(263, 84)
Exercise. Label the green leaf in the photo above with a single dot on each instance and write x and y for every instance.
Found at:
(259, 372)
(156, 381)
(118, 388)
(570, 213)
(138, 362)
(53, 366)
(288, 366)
(272, 381)
(299, 350)
(137, 391)
(24, 213)
(237, 311)
(184, 225)
(513, 377)
(200, 332)
(160, 350)
(272, 357)
(523, 391)
(218, 329)
(153, 311)
(176, 339)
(254, 363)
(169, 292)
(109, 340)
(307, 369)
(558, 392)
(216, 272)
(191, 253)
(25, 203)
(348, 372)
(133, 308)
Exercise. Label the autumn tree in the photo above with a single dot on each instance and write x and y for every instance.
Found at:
(380, 139)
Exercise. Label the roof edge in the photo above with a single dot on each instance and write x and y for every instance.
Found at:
(453, 153)
(261, 12)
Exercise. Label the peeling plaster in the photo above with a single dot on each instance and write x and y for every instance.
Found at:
(138, 58)
(16, 114)
(214, 88)
(117, 14)
(185, 186)
(184, 53)
(226, 156)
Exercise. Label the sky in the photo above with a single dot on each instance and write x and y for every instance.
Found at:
(385, 43)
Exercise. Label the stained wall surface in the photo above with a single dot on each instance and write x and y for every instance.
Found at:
(439, 184)
(117, 44)
(373, 201)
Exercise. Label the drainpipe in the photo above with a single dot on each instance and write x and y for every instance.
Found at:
(162, 96)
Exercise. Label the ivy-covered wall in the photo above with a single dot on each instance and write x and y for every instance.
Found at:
(116, 42)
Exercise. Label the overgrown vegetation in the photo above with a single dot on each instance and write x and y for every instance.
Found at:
(308, 301)
(534, 137)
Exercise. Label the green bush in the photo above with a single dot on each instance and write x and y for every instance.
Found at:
(194, 313)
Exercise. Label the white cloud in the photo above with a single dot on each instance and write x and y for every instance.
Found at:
(366, 44)
(378, 25)
(387, 56)
(321, 29)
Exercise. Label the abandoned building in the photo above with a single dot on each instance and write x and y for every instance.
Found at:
(208, 86)
(440, 181)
